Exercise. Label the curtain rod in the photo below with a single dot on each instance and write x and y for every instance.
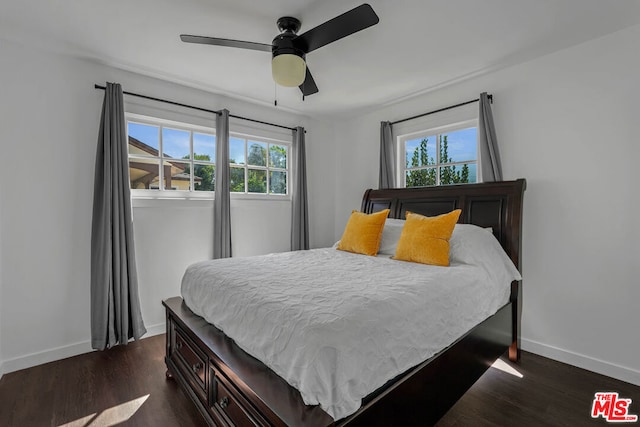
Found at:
(216, 112)
(442, 109)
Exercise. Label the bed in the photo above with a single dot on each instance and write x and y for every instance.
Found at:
(230, 387)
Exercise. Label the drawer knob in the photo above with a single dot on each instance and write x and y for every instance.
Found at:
(197, 367)
(224, 402)
(179, 345)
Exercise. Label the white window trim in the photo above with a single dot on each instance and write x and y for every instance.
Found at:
(246, 166)
(400, 148)
(143, 195)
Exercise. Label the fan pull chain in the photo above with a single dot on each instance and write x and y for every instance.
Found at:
(275, 94)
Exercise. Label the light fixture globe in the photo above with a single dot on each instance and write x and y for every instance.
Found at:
(288, 69)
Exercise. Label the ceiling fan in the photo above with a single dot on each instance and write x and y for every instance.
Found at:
(288, 49)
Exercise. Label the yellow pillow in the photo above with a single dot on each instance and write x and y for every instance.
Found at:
(363, 232)
(426, 239)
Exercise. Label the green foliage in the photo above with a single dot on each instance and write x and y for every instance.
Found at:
(236, 180)
(421, 177)
(257, 155)
(277, 156)
(206, 173)
(278, 179)
(427, 176)
(278, 182)
(256, 178)
(257, 181)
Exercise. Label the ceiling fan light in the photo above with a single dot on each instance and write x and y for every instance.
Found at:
(288, 70)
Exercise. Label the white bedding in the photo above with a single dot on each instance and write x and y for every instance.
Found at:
(337, 325)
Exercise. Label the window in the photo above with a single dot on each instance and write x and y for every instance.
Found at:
(440, 157)
(258, 166)
(177, 159)
(169, 156)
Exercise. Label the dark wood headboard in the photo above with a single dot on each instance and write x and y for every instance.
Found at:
(494, 204)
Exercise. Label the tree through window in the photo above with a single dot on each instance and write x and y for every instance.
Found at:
(440, 158)
(265, 170)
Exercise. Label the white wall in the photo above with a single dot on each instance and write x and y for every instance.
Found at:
(568, 123)
(49, 123)
(1, 357)
(321, 181)
(50, 117)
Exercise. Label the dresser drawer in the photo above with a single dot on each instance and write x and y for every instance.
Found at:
(228, 402)
(190, 360)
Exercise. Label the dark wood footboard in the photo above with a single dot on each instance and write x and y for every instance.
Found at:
(227, 385)
(230, 387)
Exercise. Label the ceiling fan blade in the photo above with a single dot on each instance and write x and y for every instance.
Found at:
(225, 42)
(308, 86)
(350, 22)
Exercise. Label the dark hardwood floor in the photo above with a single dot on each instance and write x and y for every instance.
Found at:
(126, 386)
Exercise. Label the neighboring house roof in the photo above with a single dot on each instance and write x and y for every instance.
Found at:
(144, 147)
(185, 177)
(178, 164)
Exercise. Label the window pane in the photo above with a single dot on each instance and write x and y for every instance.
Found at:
(204, 147)
(257, 181)
(177, 176)
(278, 156)
(175, 143)
(143, 139)
(236, 151)
(204, 177)
(143, 173)
(473, 174)
(458, 146)
(420, 178)
(420, 152)
(278, 182)
(257, 153)
(236, 178)
(458, 174)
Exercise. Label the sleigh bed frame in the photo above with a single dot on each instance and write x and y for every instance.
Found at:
(230, 387)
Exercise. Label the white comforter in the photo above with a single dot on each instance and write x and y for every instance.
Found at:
(337, 325)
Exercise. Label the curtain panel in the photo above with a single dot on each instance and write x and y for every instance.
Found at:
(222, 200)
(299, 203)
(387, 178)
(115, 304)
(490, 167)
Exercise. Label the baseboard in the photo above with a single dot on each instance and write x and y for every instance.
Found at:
(618, 372)
(34, 359)
(51, 355)
(154, 330)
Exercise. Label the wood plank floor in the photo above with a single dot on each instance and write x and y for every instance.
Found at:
(126, 386)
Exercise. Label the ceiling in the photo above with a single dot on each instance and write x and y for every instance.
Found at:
(418, 46)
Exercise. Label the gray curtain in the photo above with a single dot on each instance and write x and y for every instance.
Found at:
(387, 157)
(299, 212)
(115, 305)
(222, 202)
(491, 169)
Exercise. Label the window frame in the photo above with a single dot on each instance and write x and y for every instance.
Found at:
(246, 166)
(401, 175)
(204, 195)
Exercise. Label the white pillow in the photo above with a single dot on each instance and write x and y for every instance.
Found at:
(470, 244)
(390, 236)
(466, 239)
